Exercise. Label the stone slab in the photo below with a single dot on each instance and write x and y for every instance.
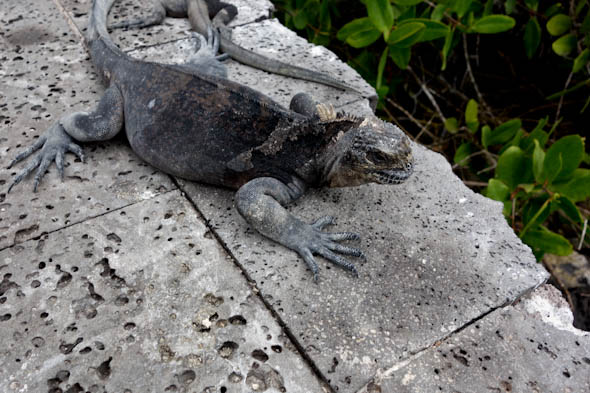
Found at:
(143, 299)
(46, 74)
(528, 347)
(278, 88)
(438, 256)
(172, 28)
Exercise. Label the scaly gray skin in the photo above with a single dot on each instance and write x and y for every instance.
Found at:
(191, 122)
(203, 14)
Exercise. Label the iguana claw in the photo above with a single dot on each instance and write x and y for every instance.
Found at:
(53, 144)
(325, 244)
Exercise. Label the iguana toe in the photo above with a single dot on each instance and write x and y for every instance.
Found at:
(53, 144)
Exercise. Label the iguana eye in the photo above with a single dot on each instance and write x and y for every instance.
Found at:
(376, 157)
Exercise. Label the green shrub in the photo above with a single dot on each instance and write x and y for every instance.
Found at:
(410, 49)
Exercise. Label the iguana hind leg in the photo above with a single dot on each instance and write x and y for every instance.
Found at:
(261, 201)
(205, 58)
(101, 124)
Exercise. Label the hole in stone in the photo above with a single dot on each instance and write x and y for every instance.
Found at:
(63, 375)
(43, 315)
(260, 355)
(35, 283)
(121, 300)
(41, 265)
(99, 345)
(187, 377)
(64, 280)
(235, 377)
(237, 320)
(104, 370)
(129, 326)
(38, 342)
(5, 317)
(171, 388)
(227, 349)
(276, 348)
(85, 350)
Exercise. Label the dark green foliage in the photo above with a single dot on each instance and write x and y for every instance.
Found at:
(479, 81)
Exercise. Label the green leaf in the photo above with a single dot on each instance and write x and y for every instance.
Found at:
(493, 24)
(486, 134)
(532, 4)
(559, 24)
(497, 190)
(406, 34)
(447, 47)
(407, 2)
(535, 212)
(471, 111)
(460, 6)
(463, 151)
(538, 159)
(503, 133)
(577, 188)
(537, 134)
(514, 167)
(553, 9)
(509, 6)
(354, 27)
(488, 8)
(300, 19)
(571, 150)
(569, 209)
(400, 56)
(581, 60)
(452, 125)
(381, 67)
(532, 37)
(438, 12)
(433, 31)
(381, 14)
(551, 167)
(564, 45)
(547, 241)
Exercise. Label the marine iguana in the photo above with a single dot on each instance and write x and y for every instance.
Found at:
(203, 14)
(190, 121)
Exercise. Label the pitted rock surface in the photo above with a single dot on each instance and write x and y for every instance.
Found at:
(438, 256)
(142, 297)
(528, 347)
(45, 74)
(93, 308)
(173, 28)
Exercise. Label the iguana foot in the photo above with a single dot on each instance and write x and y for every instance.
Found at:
(313, 241)
(54, 143)
(205, 58)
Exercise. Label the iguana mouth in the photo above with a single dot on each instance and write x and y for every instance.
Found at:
(394, 176)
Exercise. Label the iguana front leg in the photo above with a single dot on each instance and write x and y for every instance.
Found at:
(101, 124)
(261, 201)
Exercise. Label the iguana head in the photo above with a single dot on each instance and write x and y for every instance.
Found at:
(371, 152)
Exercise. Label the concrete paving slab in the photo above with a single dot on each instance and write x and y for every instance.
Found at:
(438, 256)
(279, 88)
(142, 299)
(172, 28)
(46, 74)
(528, 347)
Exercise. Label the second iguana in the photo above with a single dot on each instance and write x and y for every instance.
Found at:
(190, 121)
(205, 14)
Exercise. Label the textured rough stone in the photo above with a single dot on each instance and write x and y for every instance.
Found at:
(45, 74)
(172, 29)
(528, 347)
(143, 299)
(279, 88)
(438, 256)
